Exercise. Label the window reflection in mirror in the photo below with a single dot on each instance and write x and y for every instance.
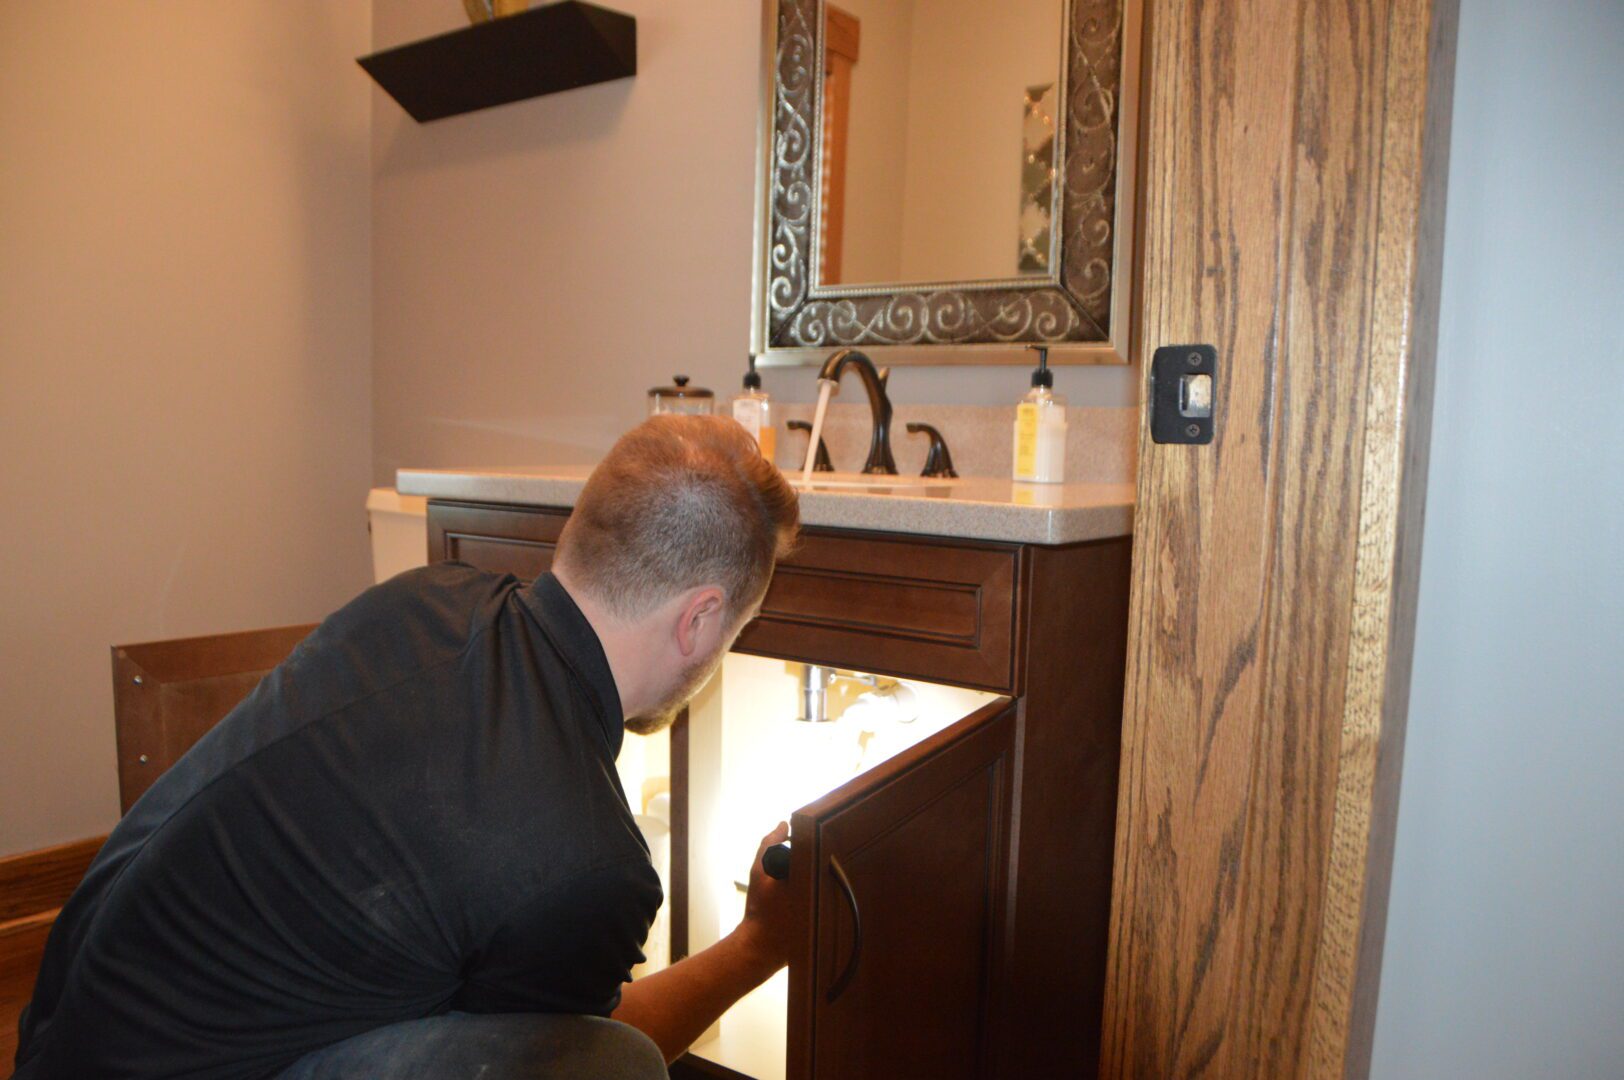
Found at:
(938, 140)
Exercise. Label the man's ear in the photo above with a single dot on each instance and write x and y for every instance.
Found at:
(700, 619)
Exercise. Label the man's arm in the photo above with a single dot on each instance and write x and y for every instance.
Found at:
(674, 1006)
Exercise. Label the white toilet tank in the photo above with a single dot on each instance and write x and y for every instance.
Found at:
(400, 532)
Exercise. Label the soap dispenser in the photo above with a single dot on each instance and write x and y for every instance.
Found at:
(753, 410)
(1040, 428)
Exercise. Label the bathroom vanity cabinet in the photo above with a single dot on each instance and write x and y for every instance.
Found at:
(953, 867)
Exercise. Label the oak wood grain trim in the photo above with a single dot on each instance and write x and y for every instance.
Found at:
(1258, 782)
(42, 880)
(1397, 434)
(842, 40)
(845, 34)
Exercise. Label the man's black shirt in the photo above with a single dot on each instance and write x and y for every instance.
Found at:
(417, 812)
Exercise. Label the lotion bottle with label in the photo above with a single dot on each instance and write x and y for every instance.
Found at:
(1040, 429)
(753, 410)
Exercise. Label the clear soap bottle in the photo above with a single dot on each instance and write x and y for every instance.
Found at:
(753, 410)
(1040, 429)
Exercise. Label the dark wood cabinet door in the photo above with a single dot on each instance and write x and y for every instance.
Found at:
(168, 694)
(903, 873)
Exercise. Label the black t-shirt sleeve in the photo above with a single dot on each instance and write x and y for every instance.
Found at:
(570, 949)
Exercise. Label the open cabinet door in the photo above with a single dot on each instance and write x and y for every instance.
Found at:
(904, 872)
(1293, 211)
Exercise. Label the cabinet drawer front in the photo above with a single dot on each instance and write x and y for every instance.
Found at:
(513, 540)
(926, 609)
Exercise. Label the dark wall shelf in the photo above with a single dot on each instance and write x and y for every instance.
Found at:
(556, 47)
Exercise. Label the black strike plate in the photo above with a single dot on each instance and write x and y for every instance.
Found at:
(1183, 389)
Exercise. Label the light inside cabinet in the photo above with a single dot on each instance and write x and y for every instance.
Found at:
(752, 764)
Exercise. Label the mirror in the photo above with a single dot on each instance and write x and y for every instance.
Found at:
(947, 173)
(938, 159)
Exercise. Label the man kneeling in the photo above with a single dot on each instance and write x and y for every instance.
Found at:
(407, 852)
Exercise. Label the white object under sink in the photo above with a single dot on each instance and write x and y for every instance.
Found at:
(399, 527)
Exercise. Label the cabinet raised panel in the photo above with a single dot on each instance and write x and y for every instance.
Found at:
(509, 539)
(927, 609)
(906, 871)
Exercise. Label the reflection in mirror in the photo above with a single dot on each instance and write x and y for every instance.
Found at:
(947, 173)
(939, 121)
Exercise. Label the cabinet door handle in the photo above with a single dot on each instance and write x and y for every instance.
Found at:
(850, 970)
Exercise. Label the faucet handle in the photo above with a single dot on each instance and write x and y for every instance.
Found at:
(821, 462)
(938, 462)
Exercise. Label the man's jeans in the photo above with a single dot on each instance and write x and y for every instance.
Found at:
(509, 1046)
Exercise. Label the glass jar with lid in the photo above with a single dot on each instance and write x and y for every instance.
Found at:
(681, 398)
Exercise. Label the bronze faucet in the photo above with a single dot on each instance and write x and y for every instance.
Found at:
(879, 447)
(820, 462)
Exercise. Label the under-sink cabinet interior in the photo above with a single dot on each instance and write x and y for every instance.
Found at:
(937, 719)
(754, 758)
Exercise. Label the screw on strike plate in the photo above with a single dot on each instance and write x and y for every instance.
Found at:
(1194, 359)
(1192, 430)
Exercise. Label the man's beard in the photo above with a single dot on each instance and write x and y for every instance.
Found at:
(663, 715)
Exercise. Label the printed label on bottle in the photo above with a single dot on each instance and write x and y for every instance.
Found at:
(747, 411)
(1026, 441)
(750, 414)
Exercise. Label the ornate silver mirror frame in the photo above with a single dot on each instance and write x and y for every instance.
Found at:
(1082, 308)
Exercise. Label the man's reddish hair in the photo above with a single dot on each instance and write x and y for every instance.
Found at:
(680, 502)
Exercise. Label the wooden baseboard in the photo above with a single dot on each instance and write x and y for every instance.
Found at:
(33, 887)
(39, 881)
(22, 942)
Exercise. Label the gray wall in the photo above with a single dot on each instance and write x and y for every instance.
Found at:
(184, 445)
(1505, 943)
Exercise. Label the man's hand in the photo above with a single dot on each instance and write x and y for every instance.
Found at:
(674, 1006)
(768, 930)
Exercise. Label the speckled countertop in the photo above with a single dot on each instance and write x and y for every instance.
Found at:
(979, 508)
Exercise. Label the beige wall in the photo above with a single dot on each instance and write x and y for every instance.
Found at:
(538, 266)
(972, 64)
(933, 167)
(877, 141)
(184, 347)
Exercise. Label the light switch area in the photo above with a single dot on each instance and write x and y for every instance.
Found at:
(1195, 395)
